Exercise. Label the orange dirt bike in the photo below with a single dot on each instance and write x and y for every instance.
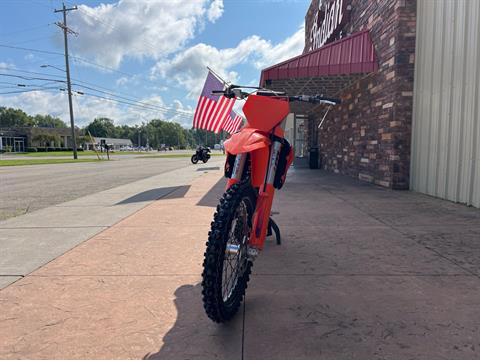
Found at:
(258, 158)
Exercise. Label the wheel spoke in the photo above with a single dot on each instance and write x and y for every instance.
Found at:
(234, 263)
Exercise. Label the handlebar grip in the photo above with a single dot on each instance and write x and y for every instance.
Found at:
(336, 101)
(218, 92)
(314, 99)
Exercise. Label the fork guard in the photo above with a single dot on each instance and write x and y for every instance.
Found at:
(257, 145)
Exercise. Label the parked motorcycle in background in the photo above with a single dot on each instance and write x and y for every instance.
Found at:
(202, 154)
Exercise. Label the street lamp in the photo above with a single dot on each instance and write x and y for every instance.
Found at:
(47, 66)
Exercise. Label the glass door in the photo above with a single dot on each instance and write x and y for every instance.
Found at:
(300, 143)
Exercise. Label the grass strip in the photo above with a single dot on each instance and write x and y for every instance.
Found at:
(174, 156)
(23, 162)
(80, 153)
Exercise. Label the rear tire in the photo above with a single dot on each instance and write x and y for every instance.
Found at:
(222, 294)
(194, 159)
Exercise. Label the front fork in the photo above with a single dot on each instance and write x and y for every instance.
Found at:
(266, 192)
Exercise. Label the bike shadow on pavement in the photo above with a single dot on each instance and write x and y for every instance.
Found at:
(211, 198)
(194, 335)
(172, 192)
(209, 168)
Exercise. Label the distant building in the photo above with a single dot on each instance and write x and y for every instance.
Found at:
(18, 139)
(114, 144)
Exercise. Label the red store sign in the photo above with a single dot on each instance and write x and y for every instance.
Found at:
(328, 21)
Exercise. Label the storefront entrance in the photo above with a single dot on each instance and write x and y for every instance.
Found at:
(12, 144)
(295, 133)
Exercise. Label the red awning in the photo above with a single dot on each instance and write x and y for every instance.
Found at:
(326, 70)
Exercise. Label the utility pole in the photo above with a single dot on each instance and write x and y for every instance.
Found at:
(67, 31)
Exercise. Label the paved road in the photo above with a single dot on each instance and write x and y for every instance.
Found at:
(28, 188)
(363, 273)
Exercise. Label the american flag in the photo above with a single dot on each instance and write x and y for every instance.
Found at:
(232, 123)
(212, 111)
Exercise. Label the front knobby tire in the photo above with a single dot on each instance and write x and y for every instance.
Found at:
(223, 294)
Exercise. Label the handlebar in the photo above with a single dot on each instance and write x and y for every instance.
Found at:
(234, 91)
(316, 99)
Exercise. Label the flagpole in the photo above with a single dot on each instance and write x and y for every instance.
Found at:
(216, 75)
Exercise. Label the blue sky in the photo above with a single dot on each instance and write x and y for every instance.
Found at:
(151, 54)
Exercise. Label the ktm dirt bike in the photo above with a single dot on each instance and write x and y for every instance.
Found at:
(258, 158)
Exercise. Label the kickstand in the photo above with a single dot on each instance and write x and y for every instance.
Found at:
(273, 228)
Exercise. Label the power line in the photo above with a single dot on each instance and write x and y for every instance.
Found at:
(32, 40)
(33, 50)
(30, 90)
(123, 102)
(104, 67)
(31, 72)
(157, 107)
(12, 85)
(8, 83)
(31, 78)
(25, 30)
(60, 54)
(40, 89)
(131, 99)
(74, 79)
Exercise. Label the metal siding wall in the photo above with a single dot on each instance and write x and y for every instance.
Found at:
(446, 115)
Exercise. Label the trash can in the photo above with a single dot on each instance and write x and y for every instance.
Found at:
(313, 159)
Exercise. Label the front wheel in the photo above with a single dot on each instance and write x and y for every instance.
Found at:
(226, 267)
(194, 159)
(205, 158)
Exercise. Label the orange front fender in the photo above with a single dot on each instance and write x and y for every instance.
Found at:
(245, 141)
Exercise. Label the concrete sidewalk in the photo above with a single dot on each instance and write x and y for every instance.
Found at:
(33, 239)
(363, 273)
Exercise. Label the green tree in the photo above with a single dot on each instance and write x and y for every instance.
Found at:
(48, 121)
(165, 132)
(10, 117)
(204, 137)
(83, 140)
(45, 139)
(101, 127)
(189, 138)
(124, 131)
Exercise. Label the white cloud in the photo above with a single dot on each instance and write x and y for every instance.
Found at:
(38, 102)
(4, 65)
(138, 28)
(122, 81)
(188, 68)
(87, 108)
(180, 117)
(128, 81)
(290, 47)
(215, 10)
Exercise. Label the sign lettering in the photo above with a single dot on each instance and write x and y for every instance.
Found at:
(327, 22)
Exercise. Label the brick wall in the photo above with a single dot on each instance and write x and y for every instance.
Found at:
(368, 136)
